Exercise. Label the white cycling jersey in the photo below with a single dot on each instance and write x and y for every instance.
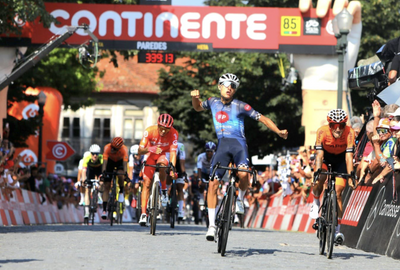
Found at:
(204, 164)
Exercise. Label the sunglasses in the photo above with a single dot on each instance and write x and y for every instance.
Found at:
(114, 149)
(382, 131)
(232, 84)
(95, 154)
(337, 125)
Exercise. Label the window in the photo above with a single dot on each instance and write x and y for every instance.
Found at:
(101, 128)
(138, 129)
(128, 128)
(76, 128)
(66, 128)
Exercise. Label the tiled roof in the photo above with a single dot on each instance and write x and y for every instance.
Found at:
(130, 76)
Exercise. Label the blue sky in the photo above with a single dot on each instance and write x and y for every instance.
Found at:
(187, 2)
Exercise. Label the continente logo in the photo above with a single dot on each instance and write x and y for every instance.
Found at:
(222, 117)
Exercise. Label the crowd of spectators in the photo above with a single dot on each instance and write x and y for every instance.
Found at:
(12, 176)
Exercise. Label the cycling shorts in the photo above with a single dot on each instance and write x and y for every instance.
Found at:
(91, 173)
(338, 165)
(113, 166)
(154, 159)
(136, 178)
(230, 149)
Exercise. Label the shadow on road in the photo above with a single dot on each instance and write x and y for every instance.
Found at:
(348, 256)
(250, 252)
(18, 261)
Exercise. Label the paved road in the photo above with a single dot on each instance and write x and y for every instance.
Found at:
(132, 247)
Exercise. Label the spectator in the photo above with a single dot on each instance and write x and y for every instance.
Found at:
(30, 182)
(6, 153)
(368, 155)
(8, 182)
(383, 143)
(42, 185)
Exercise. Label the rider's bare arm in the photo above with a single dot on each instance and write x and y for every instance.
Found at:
(196, 102)
(271, 125)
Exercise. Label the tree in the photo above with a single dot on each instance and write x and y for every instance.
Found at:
(60, 69)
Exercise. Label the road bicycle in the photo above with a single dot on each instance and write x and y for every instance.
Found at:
(173, 205)
(94, 196)
(112, 203)
(139, 201)
(226, 212)
(326, 223)
(153, 204)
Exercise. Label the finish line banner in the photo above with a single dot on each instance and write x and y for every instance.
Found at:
(176, 28)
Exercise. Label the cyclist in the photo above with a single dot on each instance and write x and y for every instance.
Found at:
(156, 142)
(228, 116)
(79, 182)
(115, 155)
(135, 165)
(334, 145)
(91, 169)
(204, 166)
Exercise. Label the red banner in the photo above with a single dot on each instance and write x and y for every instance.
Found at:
(174, 28)
(51, 121)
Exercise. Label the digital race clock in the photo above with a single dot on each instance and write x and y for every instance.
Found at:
(156, 57)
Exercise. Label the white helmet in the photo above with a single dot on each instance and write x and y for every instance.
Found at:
(229, 77)
(134, 149)
(95, 148)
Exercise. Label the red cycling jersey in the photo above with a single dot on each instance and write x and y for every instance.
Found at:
(167, 143)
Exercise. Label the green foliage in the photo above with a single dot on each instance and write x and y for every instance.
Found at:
(27, 11)
(260, 87)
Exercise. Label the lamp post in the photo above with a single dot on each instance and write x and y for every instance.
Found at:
(341, 27)
(41, 101)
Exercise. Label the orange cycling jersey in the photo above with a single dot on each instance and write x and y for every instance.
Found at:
(122, 153)
(167, 143)
(325, 141)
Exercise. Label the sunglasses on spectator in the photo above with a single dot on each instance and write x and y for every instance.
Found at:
(232, 84)
(337, 125)
(382, 131)
(95, 154)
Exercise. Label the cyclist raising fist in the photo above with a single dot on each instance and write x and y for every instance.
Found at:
(228, 116)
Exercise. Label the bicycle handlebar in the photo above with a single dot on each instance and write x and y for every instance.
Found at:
(158, 166)
(110, 174)
(235, 169)
(352, 175)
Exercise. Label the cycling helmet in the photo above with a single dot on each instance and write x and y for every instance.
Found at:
(337, 116)
(95, 148)
(210, 146)
(117, 142)
(135, 149)
(165, 120)
(229, 77)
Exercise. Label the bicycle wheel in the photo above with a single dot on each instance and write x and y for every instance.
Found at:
(331, 215)
(93, 205)
(138, 205)
(118, 210)
(227, 219)
(321, 234)
(172, 205)
(154, 207)
(196, 212)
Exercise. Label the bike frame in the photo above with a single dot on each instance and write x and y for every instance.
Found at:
(328, 219)
(226, 211)
(154, 198)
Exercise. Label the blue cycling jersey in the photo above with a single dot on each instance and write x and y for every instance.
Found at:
(229, 118)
